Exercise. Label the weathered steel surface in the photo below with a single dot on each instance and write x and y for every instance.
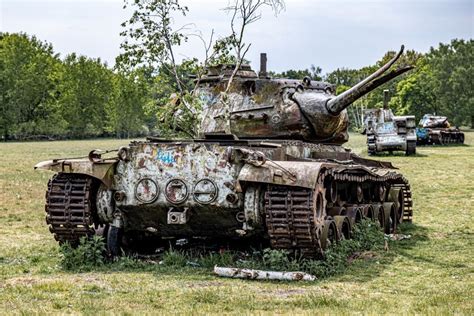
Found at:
(283, 108)
(102, 170)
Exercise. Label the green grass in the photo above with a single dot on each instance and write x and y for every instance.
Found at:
(431, 273)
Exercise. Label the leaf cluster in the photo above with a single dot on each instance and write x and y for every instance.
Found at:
(88, 254)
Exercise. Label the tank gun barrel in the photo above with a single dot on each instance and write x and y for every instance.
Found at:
(342, 101)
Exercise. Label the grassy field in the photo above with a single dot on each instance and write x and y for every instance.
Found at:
(433, 272)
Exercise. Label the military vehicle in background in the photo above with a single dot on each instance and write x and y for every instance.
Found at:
(387, 132)
(436, 130)
(269, 168)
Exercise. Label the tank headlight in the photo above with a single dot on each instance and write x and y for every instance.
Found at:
(124, 153)
(146, 191)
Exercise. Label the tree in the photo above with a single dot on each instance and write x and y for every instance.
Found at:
(151, 37)
(28, 80)
(244, 13)
(441, 84)
(125, 110)
(314, 73)
(84, 90)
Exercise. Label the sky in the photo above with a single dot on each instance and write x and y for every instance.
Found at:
(327, 33)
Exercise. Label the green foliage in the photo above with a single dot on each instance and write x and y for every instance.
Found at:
(441, 84)
(149, 34)
(175, 258)
(79, 97)
(84, 88)
(212, 259)
(314, 73)
(367, 236)
(275, 259)
(88, 254)
(28, 74)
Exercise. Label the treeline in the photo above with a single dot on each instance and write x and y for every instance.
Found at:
(75, 97)
(441, 83)
(43, 95)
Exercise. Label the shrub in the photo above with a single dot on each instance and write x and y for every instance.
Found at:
(89, 253)
(175, 258)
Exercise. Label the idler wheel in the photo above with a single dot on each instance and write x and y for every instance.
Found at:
(114, 241)
(390, 217)
(344, 227)
(329, 234)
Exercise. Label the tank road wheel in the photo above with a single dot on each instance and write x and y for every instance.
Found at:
(344, 228)
(354, 213)
(356, 193)
(411, 148)
(378, 214)
(329, 235)
(396, 196)
(390, 217)
(70, 207)
(382, 219)
(368, 211)
(461, 138)
(336, 211)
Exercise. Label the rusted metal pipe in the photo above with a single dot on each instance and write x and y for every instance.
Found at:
(339, 103)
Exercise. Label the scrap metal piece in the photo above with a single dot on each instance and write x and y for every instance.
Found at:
(251, 274)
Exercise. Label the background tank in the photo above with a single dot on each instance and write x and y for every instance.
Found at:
(436, 130)
(387, 132)
(268, 168)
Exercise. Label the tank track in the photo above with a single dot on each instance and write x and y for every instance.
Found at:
(290, 214)
(290, 219)
(69, 207)
(371, 147)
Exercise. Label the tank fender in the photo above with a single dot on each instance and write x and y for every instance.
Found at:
(302, 174)
(103, 170)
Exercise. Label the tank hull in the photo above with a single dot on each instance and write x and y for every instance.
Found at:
(283, 193)
(439, 136)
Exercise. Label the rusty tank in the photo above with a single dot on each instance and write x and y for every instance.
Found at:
(268, 168)
(387, 132)
(436, 130)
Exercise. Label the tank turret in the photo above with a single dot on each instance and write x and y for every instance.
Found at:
(259, 107)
